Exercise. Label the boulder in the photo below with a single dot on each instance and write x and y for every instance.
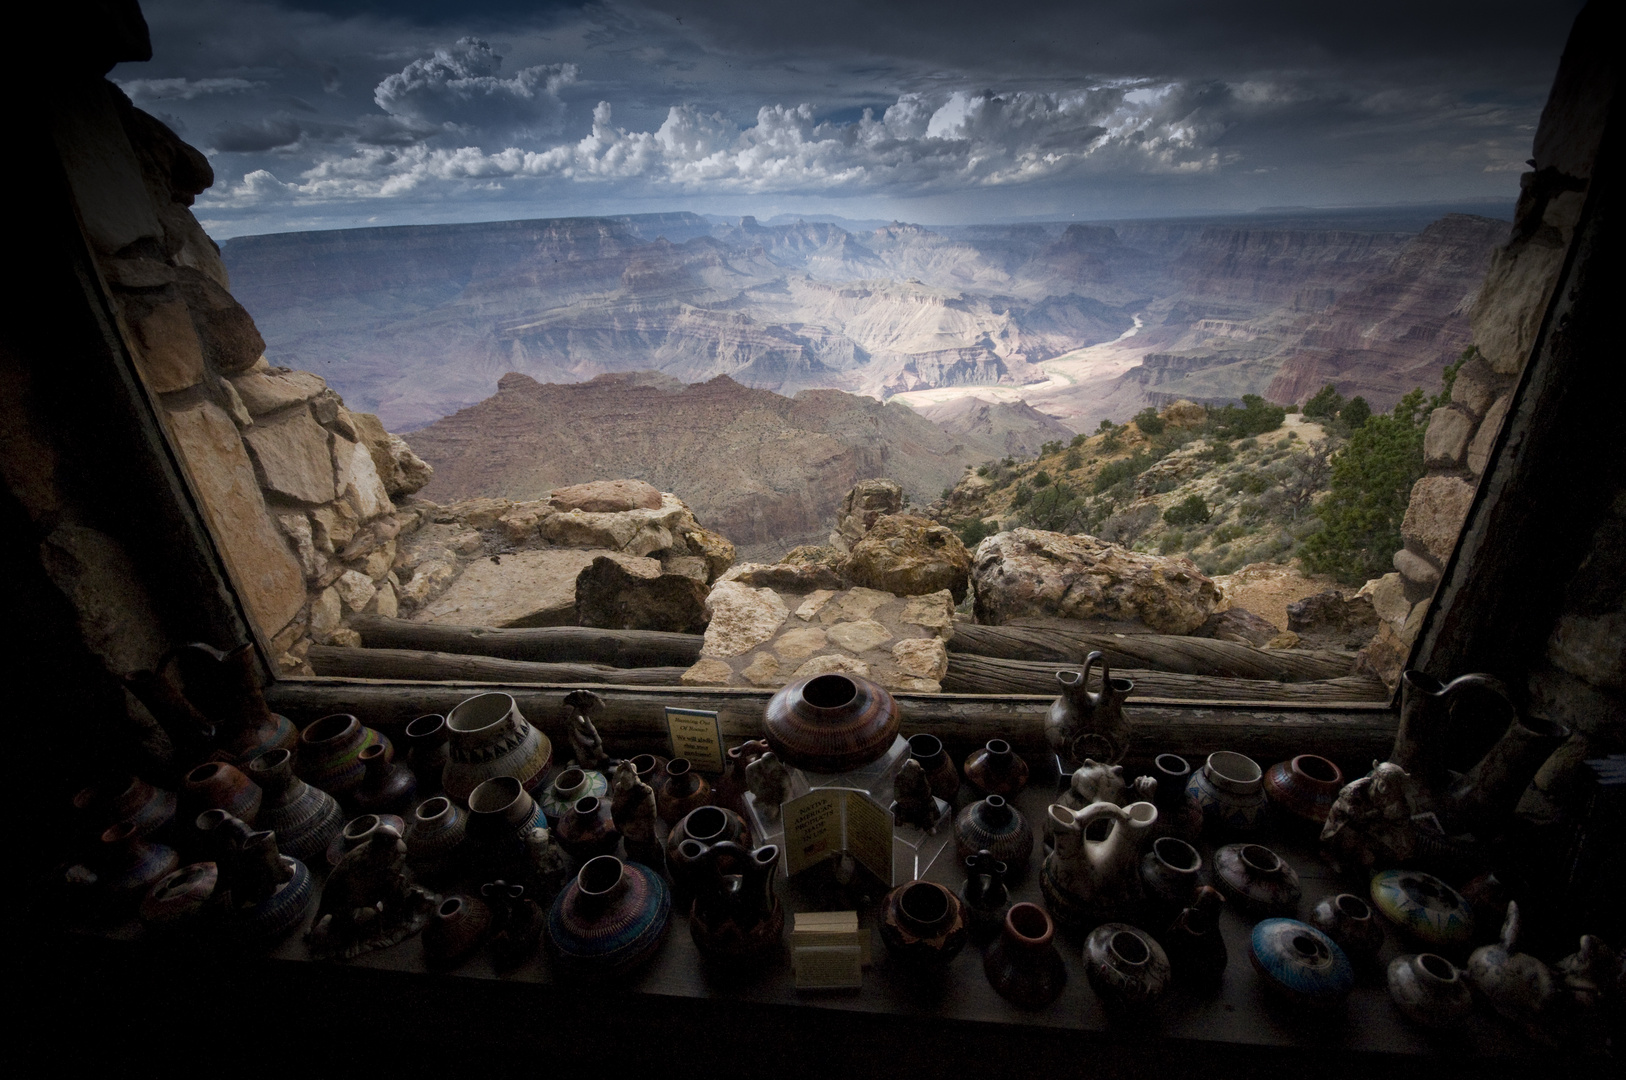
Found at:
(1388, 597)
(741, 618)
(479, 513)
(907, 555)
(231, 342)
(1333, 620)
(292, 459)
(715, 548)
(868, 501)
(614, 596)
(1476, 386)
(1239, 625)
(786, 577)
(1029, 572)
(1434, 517)
(606, 497)
(634, 532)
(402, 471)
(524, 588)
(1446, 440)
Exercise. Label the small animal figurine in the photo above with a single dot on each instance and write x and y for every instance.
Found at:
(584, 738)
(914, 803)
(632, 807)
(768, 780)
(546, 869)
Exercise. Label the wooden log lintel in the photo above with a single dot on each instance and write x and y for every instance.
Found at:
(546, 644)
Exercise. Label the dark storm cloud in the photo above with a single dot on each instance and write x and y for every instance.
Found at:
(959, 109)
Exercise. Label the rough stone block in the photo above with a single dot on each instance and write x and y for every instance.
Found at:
(355, 589)
(1479, 450)
(707, 673)
(1511, 302)
(606, 497)
(1592, 648)
(269, 390)
(524, 588)
(909, 555)
(1417, 574)
(1476, 386)
(616, 597)
(1434, 517)
(168, 352)
(358, 480)
(925, 658)
(268, 576)
(292, 459)
(1446, 440)
(741, 618)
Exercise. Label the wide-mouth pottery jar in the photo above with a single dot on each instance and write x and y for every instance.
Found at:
(1257, 880)
(1126, 965)
(330, 753)
(996, 769)
(1230, 789)
(568, 786)
(490, 737)
(1429, 989)
(358, 830)
(830, 723)
(1304, 789)
(610, 919)
(923, 924)
(1023, 964)
(1351, 922)
(1425, 908)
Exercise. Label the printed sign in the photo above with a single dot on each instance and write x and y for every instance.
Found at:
(696, 735)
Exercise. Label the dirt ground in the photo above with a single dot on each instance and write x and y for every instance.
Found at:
(1267, 588)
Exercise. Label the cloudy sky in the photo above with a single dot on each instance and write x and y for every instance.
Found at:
(339, 113)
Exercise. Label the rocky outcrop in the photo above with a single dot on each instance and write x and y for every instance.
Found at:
(908, 555)
(866, 503)
(1332, 620)
(1027, 573)
(614, 595)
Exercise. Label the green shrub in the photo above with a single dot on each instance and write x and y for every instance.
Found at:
(1149, 422)
(1079, 440)
(1247, 444)
(1050, 448)
(1370, 487)
(1021, 495)
(1255, 417)
(1041, 479)
(1116, 472)
(1356, 413)
(982, 470)
(1193, 510)
(1072, 461)
(1172, 543)
(1226, 533)
(1326, 403)
(976, 530)
(1217, 452)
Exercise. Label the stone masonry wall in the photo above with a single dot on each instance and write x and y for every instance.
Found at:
(298, 490)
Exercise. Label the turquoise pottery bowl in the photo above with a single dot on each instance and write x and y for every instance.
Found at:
(1424, 908)
(1301, 964)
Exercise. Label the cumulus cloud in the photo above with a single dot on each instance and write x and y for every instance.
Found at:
(459, 87)
(181, 89)
(256, 136)
(952, 140)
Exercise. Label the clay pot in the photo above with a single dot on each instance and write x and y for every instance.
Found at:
(225, 685)
(830, 723)
(731, 787)
(1088, 724)
(609, 920)
(1023, 964)
(1194, 944)
(134, 800)
(1126, 966)
(305, 818)
(1350, 921)
(272, 893)
(358, 831)
(491, 738)
(130, 865)
(387, 787)
(571, 785)
(215, 785)
(183, 899)
(651, 769)
(994, 825)
(684, 790)
(1303, 790)
(218, 834)
(429, 748)
(1179, 814)
(1429, 990)
(1169, 874)
(996, 769)
(984, 894)
(1424, 908)
(1300, 964)
(330, 753)
(708, 825)
(938, 766)
(1257, 880)
(735, 919)
(1519, 986)
(459, 926)
(588, 830)
(1230, 788)
(434, 836)
(501, 815)
(923, 925)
